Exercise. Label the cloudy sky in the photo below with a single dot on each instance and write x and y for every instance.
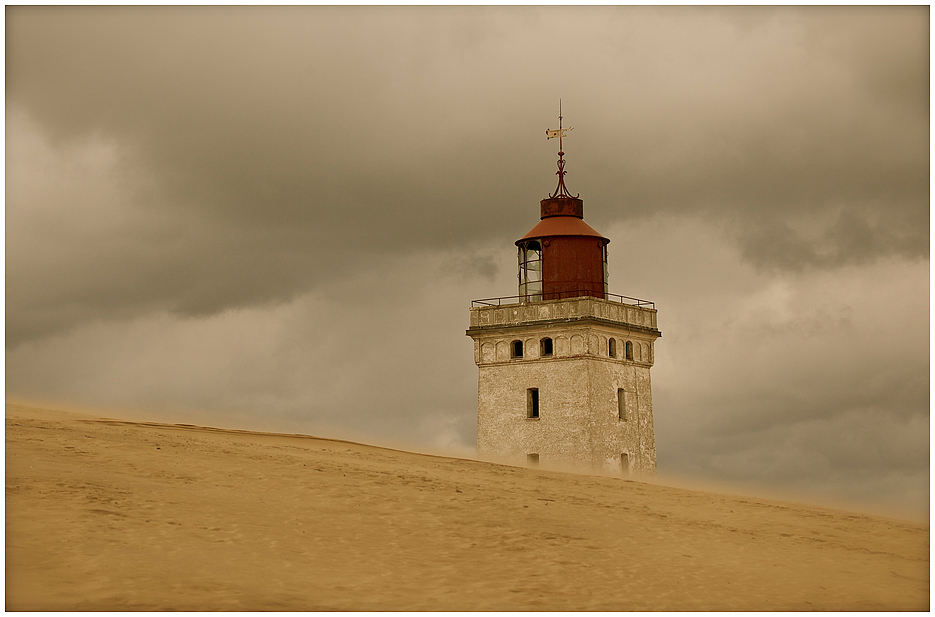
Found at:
(276, 218)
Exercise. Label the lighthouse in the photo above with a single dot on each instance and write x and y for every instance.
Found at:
(563, 366)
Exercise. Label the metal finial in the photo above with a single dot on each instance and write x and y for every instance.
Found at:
(560, 191)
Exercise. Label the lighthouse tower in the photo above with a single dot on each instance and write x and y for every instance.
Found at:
(563, 368)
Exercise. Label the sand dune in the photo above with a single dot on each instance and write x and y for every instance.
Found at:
(107, 515)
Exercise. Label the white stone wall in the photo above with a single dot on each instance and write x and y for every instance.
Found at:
(578, 422)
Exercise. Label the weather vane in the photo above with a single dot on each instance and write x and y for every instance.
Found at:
(560, 191)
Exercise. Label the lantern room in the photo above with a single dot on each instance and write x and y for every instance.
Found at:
(562, 256)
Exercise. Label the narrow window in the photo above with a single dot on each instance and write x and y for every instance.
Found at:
(532, 459)
(612, 348)
(532, 403)
(621, 404)
(516, 349)
(545, 347)
(624, 464)
(629, 350)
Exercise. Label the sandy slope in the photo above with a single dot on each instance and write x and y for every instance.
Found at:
(106, 514)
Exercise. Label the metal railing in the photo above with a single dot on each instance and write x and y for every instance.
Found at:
(561, 295)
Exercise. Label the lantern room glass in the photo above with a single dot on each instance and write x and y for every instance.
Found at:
(604, 251)
(530, 271)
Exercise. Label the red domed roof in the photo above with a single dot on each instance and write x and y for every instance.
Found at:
(561, 226)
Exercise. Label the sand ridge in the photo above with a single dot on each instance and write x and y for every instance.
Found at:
(106, 514)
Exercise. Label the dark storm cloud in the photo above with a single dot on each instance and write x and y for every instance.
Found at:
(812, 381)
(301, 142)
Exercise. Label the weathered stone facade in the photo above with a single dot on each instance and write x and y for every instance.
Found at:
(566, 383)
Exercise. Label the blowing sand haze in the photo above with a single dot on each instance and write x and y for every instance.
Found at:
(106, 514)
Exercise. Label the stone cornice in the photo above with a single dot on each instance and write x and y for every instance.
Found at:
(583, 310)
(586, 320)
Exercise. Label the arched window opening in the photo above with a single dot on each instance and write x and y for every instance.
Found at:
(530, 271)
(516, 349)
(545, 348)
(612, 348)
(621, 404)
(629, 350)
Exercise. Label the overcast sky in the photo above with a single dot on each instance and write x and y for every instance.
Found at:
(276, 218)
